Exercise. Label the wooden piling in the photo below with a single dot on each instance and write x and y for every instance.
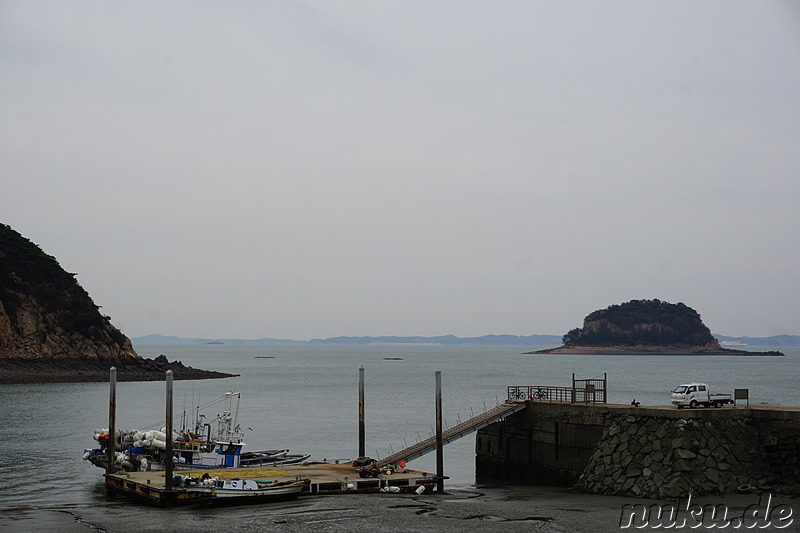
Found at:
(361, 427)
(572, 399)
(112, 416)
(168, 466)
(439, 440)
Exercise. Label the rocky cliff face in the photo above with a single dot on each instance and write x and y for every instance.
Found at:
(44, 312)
(643, 322)
(640, 332)
(30, 330)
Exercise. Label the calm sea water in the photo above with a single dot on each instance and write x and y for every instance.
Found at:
(306, 398)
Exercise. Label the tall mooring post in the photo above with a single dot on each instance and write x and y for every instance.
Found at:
(573, 400)
(439, 441)
(112, 419)
(168, 466)
(362, 448)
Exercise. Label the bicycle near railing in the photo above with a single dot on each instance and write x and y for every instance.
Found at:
(532, 393)
(517, 394)
(582, 393)
(538, 394)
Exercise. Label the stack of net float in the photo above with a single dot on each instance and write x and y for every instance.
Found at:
(152, 439)
(102, 437)
(125, 439)
(128, 443)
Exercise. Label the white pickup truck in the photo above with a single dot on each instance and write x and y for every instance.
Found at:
(694, 394)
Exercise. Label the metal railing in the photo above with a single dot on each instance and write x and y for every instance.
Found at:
(544, 393)
(592, 390)
(582, 391)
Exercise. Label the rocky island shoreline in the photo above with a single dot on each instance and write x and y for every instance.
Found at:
(650, 350)
(645, 327)
(16, 370)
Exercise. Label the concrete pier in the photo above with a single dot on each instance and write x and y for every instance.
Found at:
(643, 451)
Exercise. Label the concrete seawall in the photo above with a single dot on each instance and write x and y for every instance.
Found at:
(655, 452)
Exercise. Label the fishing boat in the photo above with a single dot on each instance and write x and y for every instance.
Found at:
(733, 342)
(236, 490)
(271, 458)
(216, 443)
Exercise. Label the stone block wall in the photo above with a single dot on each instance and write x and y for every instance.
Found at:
(665, 458)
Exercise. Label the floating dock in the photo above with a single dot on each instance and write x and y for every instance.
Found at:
(150, 487)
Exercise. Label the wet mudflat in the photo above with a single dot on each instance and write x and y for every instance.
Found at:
(515, 509)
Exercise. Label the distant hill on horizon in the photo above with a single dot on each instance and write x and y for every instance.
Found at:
(485, 340)
(775, 340)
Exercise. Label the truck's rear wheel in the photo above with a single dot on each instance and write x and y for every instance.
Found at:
(693, 404)
(717, 403)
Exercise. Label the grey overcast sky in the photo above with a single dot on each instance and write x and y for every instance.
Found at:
(302, 169)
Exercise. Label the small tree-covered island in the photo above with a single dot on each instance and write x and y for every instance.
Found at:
(645, 327)
(52, 331)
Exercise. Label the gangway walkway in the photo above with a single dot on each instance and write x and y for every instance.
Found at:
(456, 432)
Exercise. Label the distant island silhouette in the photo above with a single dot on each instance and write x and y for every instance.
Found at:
(444, 340)
(644, 327)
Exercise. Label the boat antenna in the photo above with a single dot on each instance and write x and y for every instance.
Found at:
(194, 402)
(183, 421)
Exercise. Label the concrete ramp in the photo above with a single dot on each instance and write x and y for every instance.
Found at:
(456, 432)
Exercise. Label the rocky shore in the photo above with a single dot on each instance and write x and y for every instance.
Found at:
(676, 349)
(76, 369)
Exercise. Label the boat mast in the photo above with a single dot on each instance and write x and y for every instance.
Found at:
(236, 416)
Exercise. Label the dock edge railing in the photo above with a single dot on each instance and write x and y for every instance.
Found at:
(592, 391)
